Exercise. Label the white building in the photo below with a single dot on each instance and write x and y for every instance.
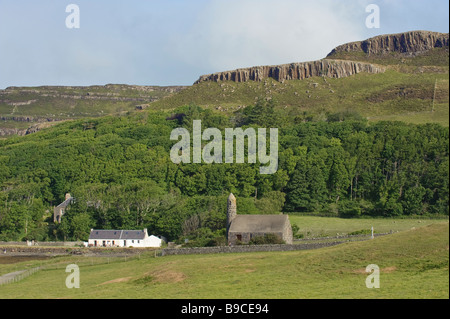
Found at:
(122, 238)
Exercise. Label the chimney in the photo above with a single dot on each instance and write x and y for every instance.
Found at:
(231, 210)
(68, 196)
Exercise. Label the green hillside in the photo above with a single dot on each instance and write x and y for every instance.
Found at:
(338, 156)
(414, 88)
(388, 94)
(413, 265)
(24, 107)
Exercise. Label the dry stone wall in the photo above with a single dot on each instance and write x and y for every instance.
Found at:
(244, 248)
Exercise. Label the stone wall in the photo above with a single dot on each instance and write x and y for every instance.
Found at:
(43, 243)
(244, 248)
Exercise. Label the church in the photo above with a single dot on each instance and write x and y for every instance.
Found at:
(242, 228)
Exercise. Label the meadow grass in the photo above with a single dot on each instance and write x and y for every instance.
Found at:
(311, 226)
(413, 263)
(440, 116)
(390, 95)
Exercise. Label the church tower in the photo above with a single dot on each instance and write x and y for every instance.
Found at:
(231, 210)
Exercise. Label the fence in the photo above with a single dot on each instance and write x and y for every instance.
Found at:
(82, 261)
(244, 248)
(43, 243)
(17, 276)
(345, 237)
(326, 242)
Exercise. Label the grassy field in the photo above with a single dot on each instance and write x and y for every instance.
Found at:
(440, 115)
(310, 226)
(413, 263)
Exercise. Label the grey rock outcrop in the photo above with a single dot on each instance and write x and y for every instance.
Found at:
(408, 44)
(294, 71)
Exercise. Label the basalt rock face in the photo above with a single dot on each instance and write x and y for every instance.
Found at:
(294, 71)
(408, 44)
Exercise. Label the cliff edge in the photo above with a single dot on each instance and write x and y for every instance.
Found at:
(294, 71)
(408, 44)
(345, 60)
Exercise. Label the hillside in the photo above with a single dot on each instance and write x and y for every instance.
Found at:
(403, 75)
(389, 77)
(413, 265)
(25, 110)
(331, 160)
(420, 48)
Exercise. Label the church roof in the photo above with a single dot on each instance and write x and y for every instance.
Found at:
(259, 223)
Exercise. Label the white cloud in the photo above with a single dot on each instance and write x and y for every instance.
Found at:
(231, 34)
(174, 42)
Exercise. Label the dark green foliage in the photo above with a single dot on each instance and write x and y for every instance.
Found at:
(267, 239)
(361, 232)
(120, 172)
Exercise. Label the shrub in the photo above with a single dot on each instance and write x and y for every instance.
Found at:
(267, 239)
(348, 209)
(361, 232)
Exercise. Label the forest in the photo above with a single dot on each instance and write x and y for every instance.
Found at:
(119, 171)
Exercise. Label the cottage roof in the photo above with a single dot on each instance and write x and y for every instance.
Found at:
(117, 234)
(259, 223)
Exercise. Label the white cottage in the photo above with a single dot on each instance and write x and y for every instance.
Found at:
(123, 238)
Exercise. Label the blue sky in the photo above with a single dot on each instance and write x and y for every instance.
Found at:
(173, 42)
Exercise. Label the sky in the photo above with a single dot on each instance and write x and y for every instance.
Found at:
(174, 42)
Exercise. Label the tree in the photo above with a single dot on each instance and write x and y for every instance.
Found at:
(413, 200)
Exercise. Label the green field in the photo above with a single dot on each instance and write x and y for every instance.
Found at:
(413, 264)
(310, 226)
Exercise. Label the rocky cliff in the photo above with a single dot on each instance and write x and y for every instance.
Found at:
(294, 71)
(408, 44)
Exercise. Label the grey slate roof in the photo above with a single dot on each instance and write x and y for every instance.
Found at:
(117, 234)
(258, 223)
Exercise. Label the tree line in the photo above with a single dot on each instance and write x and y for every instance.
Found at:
(120, 173)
